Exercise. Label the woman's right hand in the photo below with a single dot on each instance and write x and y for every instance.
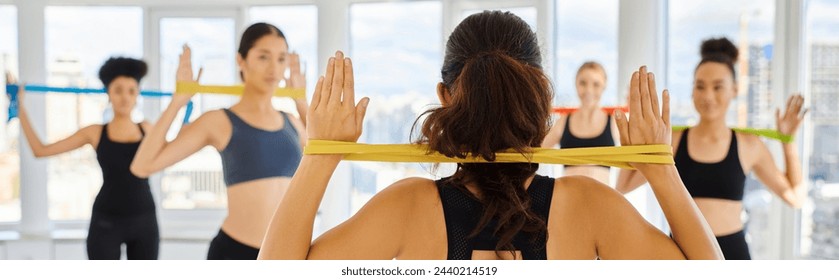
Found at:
(333, 113)
(649, 124)
(184, 74)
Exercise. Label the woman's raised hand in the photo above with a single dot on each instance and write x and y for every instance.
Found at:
(333, 113)
(649, 123)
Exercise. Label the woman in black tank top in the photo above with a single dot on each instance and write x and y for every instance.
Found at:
(590, 84)
(495, 96)
(714, 161)
(124, 210)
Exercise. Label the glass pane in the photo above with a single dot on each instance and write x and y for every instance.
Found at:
(9, 131)
(397, 53)
(750, 25)
(78, 41)
(300, 26)
(820, 220)
(586, 31)
(197, 182)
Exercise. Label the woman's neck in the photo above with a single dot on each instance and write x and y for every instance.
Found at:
(122, 118)
(712, 128)
(255, 100)
(588, 111)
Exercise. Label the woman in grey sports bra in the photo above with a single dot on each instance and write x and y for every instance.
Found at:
(259, 146)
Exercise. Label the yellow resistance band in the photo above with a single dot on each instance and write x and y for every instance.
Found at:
(768, 133)
(192, 87)
(609, 156)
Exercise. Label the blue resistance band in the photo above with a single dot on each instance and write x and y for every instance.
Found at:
(12, 91)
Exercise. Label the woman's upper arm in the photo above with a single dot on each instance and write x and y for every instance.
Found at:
(301, 129)
(377, 231)
(146, 127)
(86, 135)
(555, 133)
(190, 140)
(768, 173)
(616, 134)
(621, 232)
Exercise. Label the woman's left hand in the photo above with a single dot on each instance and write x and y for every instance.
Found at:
(333, 114)
(789, 122)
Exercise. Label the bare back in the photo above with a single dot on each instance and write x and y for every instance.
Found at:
(581, 213)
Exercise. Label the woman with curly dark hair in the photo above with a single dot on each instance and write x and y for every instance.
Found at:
(124, 210)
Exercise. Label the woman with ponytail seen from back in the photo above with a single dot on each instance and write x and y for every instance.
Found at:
(495, 97)
(713, 160)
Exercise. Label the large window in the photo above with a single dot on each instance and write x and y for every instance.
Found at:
(9, 159)
(197, 182)
(750, 25)
(397, 54)
(300, 26)
(585, 31)
(820, 220)
(78, 41)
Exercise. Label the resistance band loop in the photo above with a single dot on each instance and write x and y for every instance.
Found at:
(192, 87)
(12, 91)
(607, 110)
(768, 133)
(609, 156)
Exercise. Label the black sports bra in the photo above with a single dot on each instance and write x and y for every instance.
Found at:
(462, 211)
(725, 179)
(605, 139)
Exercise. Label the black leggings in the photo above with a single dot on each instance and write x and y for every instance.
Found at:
(734, 246)
(224, 247)
(107, 233)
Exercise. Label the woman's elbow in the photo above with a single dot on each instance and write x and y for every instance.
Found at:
(139, 170)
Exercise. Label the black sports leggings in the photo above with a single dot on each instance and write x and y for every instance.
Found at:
(107, 233)
(734, 246)
(224, 247)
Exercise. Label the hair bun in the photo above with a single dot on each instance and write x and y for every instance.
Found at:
(716, 47)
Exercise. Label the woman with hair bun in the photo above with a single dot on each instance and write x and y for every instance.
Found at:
(124, 211)
(713, 160)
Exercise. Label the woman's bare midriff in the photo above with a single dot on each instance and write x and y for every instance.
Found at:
(723, 215)
(250, 206)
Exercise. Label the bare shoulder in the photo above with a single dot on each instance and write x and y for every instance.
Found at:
(749, 144)
(213, 121)
(92, 129)
(414, 189)
(748, 139)
(212, 116)
(92, 132)
(751, 150)
(295, 121)
(582, 191)
(587, 200)
(415, 199)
